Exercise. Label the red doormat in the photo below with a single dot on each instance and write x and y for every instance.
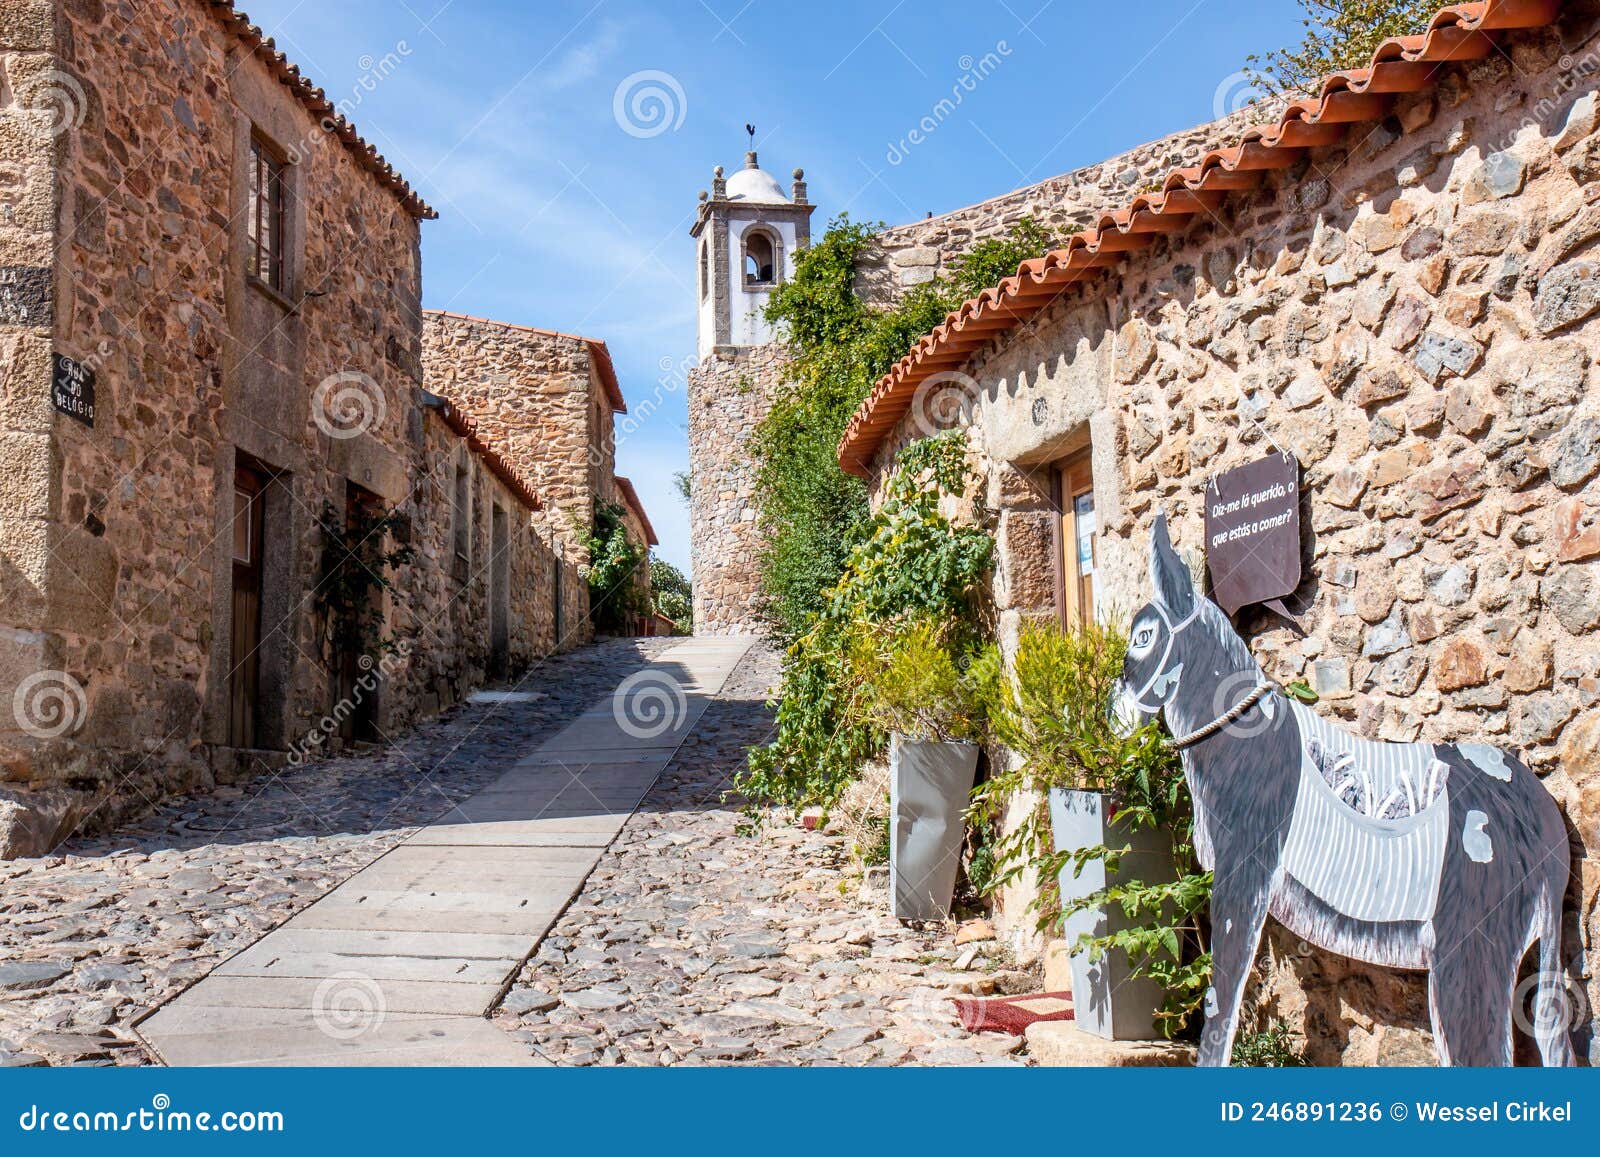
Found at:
(1012, 1014)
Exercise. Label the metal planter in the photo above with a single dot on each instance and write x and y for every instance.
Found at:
(1107, 1000)
(930, 782)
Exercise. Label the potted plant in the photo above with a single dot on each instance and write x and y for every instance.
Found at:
(1102, 837)
(917, 684)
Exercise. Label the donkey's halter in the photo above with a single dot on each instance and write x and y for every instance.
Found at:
(1233, 715)
(1166, 653)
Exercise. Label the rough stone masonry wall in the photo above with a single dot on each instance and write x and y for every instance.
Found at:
(918, 251)
(534, 395)
(729, 394)
(123, 129)
(1415, 319)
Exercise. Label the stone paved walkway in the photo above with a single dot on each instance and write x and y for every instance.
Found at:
(109, 928)
(696, 941)
(693, 941)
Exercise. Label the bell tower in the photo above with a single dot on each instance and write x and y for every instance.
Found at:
(746, 232)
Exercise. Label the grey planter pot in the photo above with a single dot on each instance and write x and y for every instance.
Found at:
(929, 786)
(1107, 1000)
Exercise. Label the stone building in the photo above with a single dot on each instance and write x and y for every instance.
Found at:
(747, 233)
(550, 401)
(1395, 284)
(210, 350)
(642, 535)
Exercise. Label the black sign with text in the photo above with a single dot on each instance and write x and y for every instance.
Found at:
(72, 389)
(1253, 533)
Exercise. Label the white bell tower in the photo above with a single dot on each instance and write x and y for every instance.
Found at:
(747, 232)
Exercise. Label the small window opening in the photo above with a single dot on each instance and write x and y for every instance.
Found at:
(759, 260)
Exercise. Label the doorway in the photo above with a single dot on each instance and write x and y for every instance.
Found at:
(499, 594)
(244, 657)
(1079, 538)
(355, 663)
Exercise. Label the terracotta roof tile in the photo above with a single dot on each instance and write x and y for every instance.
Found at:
(1399, 65)
(317, 103)
(602, 355)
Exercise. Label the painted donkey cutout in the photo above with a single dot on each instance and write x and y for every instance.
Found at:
(1446, 857)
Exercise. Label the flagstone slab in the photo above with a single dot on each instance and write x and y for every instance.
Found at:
(298, 1041)
(252, 962)
(399, 964)
(434, 998)
(526, 921)
(394, 942)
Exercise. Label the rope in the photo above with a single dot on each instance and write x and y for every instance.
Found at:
(1217, 725)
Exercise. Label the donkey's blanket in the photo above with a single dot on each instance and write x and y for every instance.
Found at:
(1370, 823)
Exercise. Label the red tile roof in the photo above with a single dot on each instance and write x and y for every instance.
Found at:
(597, 348)
(631, 497)
(1402, 64)
(499, 465)
(317, 103)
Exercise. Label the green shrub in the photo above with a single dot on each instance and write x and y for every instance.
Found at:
(911, 562)
(916, 680)
(615, 593)
(1055, 713)
(672, 595)
(1271, 1048)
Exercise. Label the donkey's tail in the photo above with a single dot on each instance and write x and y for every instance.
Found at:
(1553, 1010)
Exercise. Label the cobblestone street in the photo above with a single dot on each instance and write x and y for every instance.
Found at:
(694, 941)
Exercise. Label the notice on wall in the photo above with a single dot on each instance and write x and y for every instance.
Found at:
(1253, 533)
(72, 389)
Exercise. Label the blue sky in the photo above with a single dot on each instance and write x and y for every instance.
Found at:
(554, 214)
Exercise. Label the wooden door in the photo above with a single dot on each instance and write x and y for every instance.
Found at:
(1080, 540)
(244, 663)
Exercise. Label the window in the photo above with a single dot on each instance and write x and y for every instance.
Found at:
(463, 513)
(1080, 534)
(760, 259)
(705, 269)
(267, 215)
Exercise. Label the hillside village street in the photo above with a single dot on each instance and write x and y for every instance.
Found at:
(690, 942)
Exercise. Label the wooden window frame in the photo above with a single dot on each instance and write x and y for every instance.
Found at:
(267, 216)
(1071, 478)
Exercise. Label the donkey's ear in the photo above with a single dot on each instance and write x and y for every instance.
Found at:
(1168, 574)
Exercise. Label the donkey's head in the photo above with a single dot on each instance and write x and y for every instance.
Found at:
(1152, 673)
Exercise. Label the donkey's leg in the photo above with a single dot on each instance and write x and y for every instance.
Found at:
(1469, 996)
(1239, 899)
(1552, 1001)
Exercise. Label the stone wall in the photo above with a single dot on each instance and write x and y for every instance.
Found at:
(125, 133)
(918, 251)
(1414, 318)
(729, 393)
(540, 395)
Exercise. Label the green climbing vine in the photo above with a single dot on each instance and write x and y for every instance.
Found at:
(812, 513)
